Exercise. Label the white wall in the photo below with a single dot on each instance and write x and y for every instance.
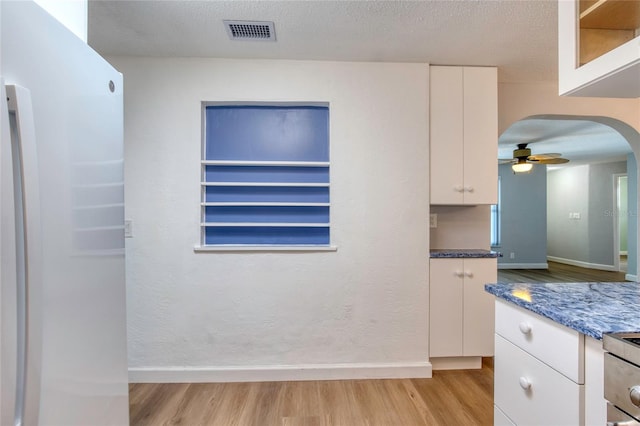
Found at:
(73, 14)
(358, 312)
(589, 191)
(461, 227)
(568, 192)
(519, 100)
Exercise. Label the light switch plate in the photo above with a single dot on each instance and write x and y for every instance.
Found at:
(433, 220)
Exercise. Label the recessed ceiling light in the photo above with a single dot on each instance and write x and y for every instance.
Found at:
(250, 30)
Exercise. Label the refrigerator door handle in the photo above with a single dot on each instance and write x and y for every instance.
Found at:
(28, 254)
(8, 277)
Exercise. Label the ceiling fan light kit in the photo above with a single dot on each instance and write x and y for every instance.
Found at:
(523, 161)
(521, 167)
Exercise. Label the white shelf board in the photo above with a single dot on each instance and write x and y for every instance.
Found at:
(264, 204)
(241, 248)
(265, 163)
(264, 224)
(271, 184)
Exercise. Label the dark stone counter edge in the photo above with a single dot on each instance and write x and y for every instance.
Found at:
(565, 316)
(462, 253)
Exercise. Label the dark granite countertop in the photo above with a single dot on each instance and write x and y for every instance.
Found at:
(590, 308)
(462, 253)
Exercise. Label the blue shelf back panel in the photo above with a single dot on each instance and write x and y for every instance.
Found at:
(266, 174)
(267, 133)
(274, 194)
(269, 214)
(266, 235)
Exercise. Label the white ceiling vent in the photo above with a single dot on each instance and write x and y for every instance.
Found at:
(250, 30)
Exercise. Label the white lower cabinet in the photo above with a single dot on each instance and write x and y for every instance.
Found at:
(545, 373)
(460, 311)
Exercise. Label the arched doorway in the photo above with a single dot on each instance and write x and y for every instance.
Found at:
(582, 139)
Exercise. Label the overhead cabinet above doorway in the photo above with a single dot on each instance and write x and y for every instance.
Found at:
(464, 135)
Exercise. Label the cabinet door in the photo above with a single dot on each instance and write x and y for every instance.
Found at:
(446, 135)
(480, 135)
(445, 307)
(478, 307)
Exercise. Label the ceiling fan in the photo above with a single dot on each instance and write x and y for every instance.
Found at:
(523, 161)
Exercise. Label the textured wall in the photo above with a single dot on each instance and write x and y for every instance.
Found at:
(365, 304)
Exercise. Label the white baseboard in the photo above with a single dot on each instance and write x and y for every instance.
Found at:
(582, 264)
(630, 277)
(457, 363)
(523, 265)
(279, 373)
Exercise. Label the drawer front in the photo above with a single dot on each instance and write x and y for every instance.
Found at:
(499, 418)
(617, 417)
(554, 344)
(620, 376)
(530, 392)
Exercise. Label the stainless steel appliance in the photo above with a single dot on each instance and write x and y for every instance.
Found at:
(622, 378)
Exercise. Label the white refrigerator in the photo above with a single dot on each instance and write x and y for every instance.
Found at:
(62, 297)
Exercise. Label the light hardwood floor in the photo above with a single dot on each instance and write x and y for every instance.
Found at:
(558, 273)
(462, 397)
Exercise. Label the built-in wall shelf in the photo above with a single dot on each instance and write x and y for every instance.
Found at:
(610, 14)
(249, 202)
(265, 224)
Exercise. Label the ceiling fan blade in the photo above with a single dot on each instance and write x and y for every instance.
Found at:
(505, 160)
(546, 155)
(553, 161)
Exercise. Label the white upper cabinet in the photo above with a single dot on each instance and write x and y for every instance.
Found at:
(599, 48)
(464, 135)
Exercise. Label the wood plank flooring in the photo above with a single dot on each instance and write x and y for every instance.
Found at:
(461, 397)
(558, 273)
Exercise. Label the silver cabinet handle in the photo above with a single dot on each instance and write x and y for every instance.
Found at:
(458, 188)
(634, 395)
(468, 188)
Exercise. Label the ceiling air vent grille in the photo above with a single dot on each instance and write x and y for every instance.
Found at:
(250, 30)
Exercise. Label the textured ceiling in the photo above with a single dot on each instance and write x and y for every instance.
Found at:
(518, 36)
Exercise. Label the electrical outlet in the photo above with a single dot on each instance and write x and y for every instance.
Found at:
(512, 255)
(433, 220)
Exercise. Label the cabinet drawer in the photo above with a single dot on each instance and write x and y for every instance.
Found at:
(499, 418)
(551, 399)
(555, 345)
